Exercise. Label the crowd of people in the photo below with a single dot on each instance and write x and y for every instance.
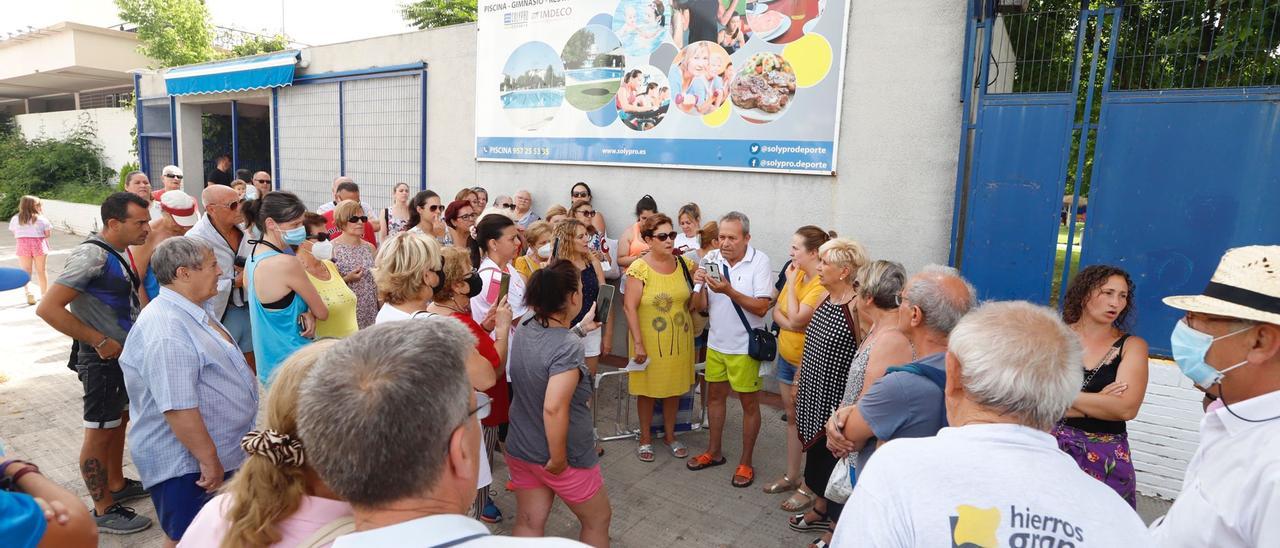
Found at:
(401, 351)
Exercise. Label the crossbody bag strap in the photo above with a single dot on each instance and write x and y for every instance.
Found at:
(851, 319)
(685, 268)
(133, 276)
(741, 316)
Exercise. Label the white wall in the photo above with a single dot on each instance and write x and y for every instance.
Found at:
(1166, 432)
(72, 217)
(112, 127)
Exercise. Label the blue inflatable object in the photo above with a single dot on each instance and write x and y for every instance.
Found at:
(12, 278)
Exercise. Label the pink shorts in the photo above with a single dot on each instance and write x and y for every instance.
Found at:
(574, 485)
(33, 247)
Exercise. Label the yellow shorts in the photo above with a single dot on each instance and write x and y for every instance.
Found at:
(742, 372)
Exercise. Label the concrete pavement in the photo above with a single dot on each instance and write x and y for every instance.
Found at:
(654, 504)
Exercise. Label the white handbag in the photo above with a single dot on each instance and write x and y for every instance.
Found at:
(840, 486)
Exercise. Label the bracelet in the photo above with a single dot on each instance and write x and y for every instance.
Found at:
(577, 330)
(101, 342)
(29, 468)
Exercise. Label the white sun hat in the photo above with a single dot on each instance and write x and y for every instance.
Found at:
(1245, 286)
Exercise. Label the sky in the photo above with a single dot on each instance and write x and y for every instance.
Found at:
(309, 22)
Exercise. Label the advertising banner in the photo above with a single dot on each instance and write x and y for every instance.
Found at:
(743, 85)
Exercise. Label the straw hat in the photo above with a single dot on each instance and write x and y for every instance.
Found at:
(1245, 286)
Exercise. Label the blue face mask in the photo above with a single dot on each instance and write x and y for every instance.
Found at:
(296, 235)
(1189, 348)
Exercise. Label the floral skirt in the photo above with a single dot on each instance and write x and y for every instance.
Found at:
(1103, 456)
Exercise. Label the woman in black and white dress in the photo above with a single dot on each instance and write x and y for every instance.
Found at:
(831, 341)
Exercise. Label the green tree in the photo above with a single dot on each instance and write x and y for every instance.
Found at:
(428, 14)
(578, 48)
(173, 32)
(256, 45)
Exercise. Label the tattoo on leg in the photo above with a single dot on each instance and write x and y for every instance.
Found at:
(95, 478)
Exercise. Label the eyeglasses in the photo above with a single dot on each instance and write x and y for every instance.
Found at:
(586, 213)
(580, 194)
(319, 237)
(507, 206)
(358, 218)
(173, 176)
(664, 236)
(266, 181)
(434, 208)
(467, 217)
(231, 206)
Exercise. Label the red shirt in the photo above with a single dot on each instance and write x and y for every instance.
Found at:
(333, 231)
(499, 393)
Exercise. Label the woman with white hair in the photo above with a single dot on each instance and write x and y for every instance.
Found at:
(1012, 370)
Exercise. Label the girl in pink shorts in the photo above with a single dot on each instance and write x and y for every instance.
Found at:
(32, 230)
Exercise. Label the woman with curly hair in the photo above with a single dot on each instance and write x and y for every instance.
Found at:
(276, 499)
(1097, 307)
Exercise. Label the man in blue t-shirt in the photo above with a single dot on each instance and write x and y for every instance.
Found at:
(908, 401)
(95, 301)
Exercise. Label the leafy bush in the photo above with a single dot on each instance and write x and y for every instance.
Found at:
(125, 170)
(38, 167)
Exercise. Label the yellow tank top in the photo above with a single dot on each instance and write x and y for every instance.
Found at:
(341, 302)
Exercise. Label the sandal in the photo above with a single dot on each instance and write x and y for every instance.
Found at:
(645, 452)
(793, 505)
(747, 475)
(678, 449)
(818, 543)
(782, 486)
(821, 525)
(704, 461)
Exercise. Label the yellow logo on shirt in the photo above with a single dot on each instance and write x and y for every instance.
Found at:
(974, 527)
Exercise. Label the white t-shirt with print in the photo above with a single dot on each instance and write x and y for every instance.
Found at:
(983, 485)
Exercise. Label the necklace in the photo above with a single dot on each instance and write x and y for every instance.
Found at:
(848, 296)
(450, 306)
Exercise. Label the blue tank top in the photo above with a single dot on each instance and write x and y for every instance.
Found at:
(275, 331)
(590, 290)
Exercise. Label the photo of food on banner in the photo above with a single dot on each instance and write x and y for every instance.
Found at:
(764, 88)
(731, 23)
(643, 98)
(700, 76)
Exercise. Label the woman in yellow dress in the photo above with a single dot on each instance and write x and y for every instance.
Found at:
(658, 304)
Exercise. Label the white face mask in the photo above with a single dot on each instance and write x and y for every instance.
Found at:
(322, 250)
(250, 192)
(544, 252)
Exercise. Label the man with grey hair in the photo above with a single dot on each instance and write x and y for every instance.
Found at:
(192, 392)
(907, 402)
(407, 486)
(995, 477)
(740, 281)
(220, 228)
(524, 209)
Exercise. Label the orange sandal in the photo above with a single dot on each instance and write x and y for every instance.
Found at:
(703, 461)
(747, 475)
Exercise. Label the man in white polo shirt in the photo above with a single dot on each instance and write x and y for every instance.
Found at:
(741, 290)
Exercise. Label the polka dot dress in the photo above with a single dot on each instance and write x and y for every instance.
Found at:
(829, 348)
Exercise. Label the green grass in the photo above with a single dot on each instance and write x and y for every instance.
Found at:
(1060, 257)
(578, 96)
(81, 193)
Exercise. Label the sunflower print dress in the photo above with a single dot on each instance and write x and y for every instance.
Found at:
(667, 331)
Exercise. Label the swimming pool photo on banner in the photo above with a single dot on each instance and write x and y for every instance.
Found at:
(532, 87)
(593, 62)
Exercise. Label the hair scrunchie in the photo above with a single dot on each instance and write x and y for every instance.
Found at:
(280, 449)
(472, 231)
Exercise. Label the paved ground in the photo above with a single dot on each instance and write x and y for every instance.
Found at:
(654, 504)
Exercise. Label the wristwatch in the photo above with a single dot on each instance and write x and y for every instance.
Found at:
(577, 330)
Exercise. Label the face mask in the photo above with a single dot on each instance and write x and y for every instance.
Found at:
(474, 285)
(296, 235)
(322, 250)
(544, 252)
(1189, 348)
(251, 192)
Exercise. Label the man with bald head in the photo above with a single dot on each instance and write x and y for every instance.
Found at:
(220, 228)
(262, 182)
(908, 401)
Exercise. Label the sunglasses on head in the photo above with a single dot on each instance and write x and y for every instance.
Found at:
(358, 218)
(581, 194)
(662, 237)
(434, 208)
(587, 213)
(319, 237)
(172, 175)
(507, 206)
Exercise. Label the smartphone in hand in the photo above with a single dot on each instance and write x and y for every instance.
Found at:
(504, 287)
(604, 302)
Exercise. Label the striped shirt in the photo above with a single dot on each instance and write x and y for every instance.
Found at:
(174, 359)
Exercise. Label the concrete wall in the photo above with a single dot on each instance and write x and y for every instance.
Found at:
(71, 217)
(112, 127)
(1166, 432)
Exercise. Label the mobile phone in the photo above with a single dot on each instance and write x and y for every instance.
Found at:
(604, 302)
(504, 287)
(302, 325)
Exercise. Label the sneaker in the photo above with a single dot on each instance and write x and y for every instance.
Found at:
(120, 520)
(491, 513)
(132, 491)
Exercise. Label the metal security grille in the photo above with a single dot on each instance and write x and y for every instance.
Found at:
(155, 137)
(159, 154)
(308, 145)
(106, 98)
(382, 134)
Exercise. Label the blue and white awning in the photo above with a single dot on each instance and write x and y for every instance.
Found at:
(257, 72)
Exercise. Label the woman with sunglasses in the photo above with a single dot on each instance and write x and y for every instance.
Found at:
(395, 218)
(354, 257)
(658, 304)
(316, 256)
(459, 217)
(283, 305)
(571, 243)
(584, 213)
(425, 215)
(582, 193)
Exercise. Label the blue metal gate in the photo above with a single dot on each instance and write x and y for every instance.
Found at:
(1180, 147)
